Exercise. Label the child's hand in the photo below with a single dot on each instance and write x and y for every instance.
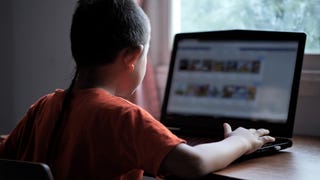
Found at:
(252, 138)
(3, 138)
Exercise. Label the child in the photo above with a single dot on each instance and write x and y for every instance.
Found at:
(89, 131)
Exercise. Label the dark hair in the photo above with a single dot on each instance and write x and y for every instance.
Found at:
(100, 30)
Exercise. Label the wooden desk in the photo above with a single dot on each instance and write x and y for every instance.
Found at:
(300, 162)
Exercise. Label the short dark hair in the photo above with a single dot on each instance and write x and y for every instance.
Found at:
(101, 28)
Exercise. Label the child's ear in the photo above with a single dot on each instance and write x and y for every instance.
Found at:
(131, 55)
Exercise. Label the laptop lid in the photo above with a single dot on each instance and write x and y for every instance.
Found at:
(244, 77)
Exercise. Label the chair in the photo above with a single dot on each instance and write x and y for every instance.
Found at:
(14, 170)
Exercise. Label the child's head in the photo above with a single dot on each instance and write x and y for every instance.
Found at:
(102, 28)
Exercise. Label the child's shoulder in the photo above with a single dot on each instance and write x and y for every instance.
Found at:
(102, 99)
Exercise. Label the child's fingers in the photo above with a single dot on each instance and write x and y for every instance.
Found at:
(227, 129)
(266, 139)
(262, 132)
(3, 138)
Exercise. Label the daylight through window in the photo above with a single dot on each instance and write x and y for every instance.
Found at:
(280, 15)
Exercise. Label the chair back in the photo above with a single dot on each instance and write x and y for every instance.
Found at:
(14, 170)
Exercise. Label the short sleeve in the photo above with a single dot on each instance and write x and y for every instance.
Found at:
(152, 141)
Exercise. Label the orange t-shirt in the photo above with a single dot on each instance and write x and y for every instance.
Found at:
(104, 137)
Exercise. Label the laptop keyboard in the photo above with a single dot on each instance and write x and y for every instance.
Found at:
(278, 144)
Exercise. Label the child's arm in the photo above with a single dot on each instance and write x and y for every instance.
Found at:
(189, 162)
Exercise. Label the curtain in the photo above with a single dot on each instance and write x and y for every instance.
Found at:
(146, 94)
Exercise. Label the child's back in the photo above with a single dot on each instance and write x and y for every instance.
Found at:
(104, 136)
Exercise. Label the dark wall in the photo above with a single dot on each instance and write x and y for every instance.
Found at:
(34, 52)
(6, 67)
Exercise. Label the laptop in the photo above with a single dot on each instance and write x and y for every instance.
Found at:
(246, 78)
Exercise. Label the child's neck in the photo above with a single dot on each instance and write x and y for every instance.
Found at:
(95, 78)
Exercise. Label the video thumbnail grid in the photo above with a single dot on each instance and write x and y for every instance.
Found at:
(235, 92)
(210, 65)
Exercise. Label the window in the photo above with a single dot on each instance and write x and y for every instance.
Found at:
(281, 15)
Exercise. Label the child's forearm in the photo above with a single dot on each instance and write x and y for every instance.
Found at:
(220, 154)
(192, 162)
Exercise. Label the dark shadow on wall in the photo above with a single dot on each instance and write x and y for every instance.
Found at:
(6, 68)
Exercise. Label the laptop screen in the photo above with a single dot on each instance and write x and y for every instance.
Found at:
(233, 78)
